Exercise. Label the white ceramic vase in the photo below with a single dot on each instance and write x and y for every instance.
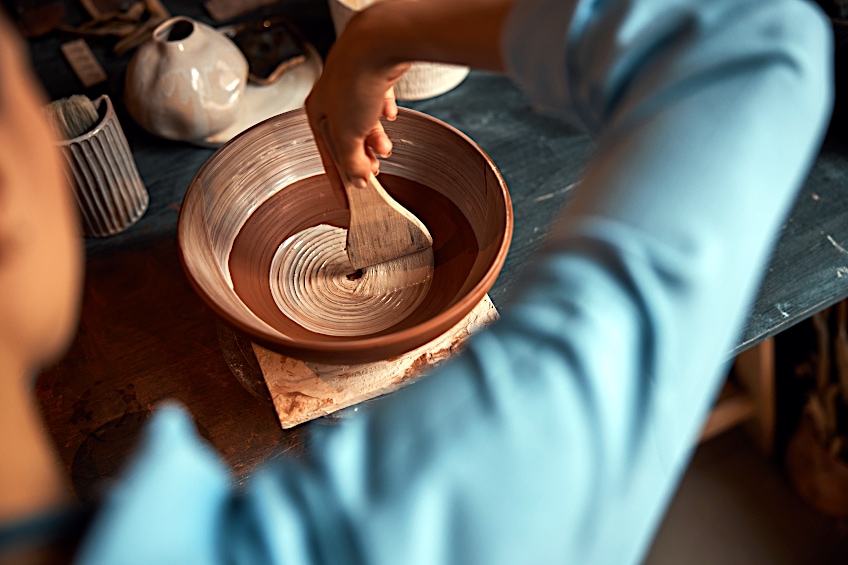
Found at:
(187, 82)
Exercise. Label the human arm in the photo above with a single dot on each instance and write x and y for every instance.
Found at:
(370, 56)
(707, 116)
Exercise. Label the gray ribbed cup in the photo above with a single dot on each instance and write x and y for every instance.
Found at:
(101, 169)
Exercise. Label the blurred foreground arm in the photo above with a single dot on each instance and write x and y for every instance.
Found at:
(40, 278)
(560, 434)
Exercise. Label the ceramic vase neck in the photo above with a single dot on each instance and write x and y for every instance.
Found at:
(176, 34)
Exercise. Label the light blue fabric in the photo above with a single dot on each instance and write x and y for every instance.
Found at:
(560, 435)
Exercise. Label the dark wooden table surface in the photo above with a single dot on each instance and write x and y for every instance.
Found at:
(144, 335)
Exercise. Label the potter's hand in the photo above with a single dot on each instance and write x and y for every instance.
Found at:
(345, 108)
(349, 99)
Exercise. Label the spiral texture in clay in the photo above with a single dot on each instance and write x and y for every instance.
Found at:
(314, 284)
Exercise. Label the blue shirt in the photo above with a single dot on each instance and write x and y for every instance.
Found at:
(708, 114)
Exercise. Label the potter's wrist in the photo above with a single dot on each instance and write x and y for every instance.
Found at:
(369, 42)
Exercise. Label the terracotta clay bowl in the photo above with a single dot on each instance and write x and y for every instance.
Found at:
(268, 184)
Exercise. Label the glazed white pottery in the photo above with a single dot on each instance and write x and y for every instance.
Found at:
(422, 80)
(102, 172)
(187, 82)
(260, 102)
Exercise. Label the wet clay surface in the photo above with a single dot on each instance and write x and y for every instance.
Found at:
(308, 203)
(314, 284)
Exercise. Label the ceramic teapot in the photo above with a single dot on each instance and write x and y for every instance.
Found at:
(187, 82)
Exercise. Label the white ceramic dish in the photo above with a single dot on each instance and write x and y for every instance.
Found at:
(289, 92)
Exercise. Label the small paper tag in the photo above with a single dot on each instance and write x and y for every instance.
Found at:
(82, 61)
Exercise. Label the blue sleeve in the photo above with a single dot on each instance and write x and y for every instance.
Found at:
(561, 433)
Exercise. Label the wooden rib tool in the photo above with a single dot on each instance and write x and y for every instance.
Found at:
(381, 229)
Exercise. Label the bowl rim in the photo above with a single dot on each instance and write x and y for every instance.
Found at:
(353, 347)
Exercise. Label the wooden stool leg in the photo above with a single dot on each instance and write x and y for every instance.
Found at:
(750, 399)
(755, 373)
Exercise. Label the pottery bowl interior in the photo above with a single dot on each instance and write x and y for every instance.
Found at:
(268, 184)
